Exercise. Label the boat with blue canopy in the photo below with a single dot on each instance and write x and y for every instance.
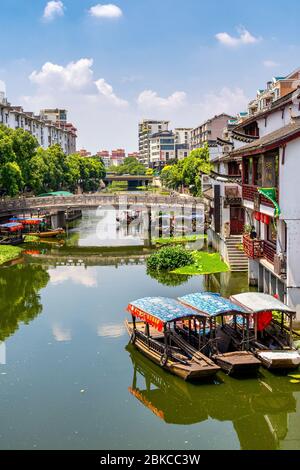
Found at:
(154, 335)
(211, 335)
(270, 330)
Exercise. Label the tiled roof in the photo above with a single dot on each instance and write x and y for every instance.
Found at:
(289, 132)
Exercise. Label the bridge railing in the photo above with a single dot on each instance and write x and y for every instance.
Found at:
(92, 200)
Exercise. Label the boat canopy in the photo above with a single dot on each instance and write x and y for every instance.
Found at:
(11, 227)
(27, 220)
(212, 304)
(257, 302)
(158, 311)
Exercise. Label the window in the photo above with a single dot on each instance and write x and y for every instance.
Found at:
(257, 168)
(248, 171)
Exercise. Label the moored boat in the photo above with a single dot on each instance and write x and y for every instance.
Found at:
(49, 233)
(209, 333)
(270, 339)
(11, 234)
(153, 336)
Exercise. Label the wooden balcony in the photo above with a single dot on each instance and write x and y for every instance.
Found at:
(269, 252)
(255, 249)
(250, 192)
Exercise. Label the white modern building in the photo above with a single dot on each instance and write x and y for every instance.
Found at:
(47, 132)
(162, 149)
(147, 128)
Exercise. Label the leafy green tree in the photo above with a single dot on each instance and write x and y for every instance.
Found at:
(38, 170)
(24, 146)
(187, 172)
(7, 153)
(11, 180)
(130, 166)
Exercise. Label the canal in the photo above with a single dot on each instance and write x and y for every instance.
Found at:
(69, 380)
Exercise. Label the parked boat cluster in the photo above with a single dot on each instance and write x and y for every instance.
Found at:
(13, 232)
(197, 335)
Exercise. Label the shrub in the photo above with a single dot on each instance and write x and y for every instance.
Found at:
(169, 258)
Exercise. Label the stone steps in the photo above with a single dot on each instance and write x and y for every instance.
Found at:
(237, 259)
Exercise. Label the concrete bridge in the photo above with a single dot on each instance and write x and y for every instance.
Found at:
(92, 201)
(133, 180)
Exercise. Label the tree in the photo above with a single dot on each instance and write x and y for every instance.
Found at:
(24, 146)
(187, 172)
(91, 172)
(7, 153)
(38, 170)
(130, 166)
(11, 180)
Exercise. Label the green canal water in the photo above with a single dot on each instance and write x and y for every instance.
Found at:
(69, 380)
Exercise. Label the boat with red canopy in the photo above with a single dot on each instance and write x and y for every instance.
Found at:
(154, 335)
(210, 334)
(36, 226)
(11, 234)
(270, 330)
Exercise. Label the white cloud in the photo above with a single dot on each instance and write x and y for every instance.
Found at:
(150, 99)
(227, 100)
(76, 75)
(106, 11)
(244, 38)
(53, 9)
(270, 63)
(107, 90)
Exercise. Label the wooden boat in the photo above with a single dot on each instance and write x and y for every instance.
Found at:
(49, 233)
(153, 337)
(208, 333)
(11, 234)
(270, 340)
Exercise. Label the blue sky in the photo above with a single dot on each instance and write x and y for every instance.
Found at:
(112, 66)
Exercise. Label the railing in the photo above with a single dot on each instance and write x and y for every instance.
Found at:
(250, 192)
(255, 249)
(269, 252)
(93, 200)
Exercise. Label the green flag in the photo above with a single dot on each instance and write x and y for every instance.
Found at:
(270, 193)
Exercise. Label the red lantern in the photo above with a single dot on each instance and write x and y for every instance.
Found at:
(257, 216)
(266, 219)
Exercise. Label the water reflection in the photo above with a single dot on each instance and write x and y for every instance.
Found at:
(61, 334)
(168, 279)
(19, 294)
(258, 409)
(75, 274)
(111, 330)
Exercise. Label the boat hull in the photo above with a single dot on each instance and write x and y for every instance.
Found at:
(237, 362)
(281, 359)
(192, 371)
(49, 234)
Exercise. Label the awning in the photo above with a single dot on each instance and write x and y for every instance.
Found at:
(211, 304)
(158, 311)
(257, 302)
(11, 227)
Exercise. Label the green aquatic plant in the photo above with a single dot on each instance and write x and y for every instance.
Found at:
(9, 253)
(204, 263)
(169, 258)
